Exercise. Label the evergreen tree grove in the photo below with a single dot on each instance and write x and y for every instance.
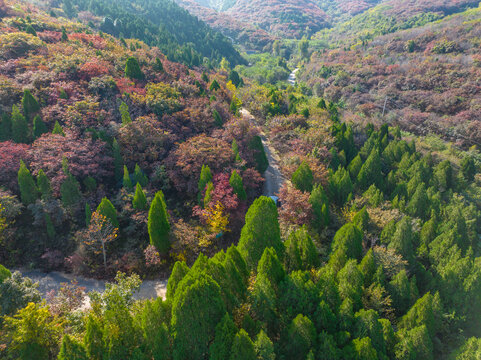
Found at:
(140, 201)
(158, 224)
(28, 189)
(132, 69)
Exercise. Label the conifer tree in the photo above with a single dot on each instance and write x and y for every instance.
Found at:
(30, 30)
(39, 127)
(204, 179)
(30, 104)
(320, 207)
(57, 129)
(93, 338)
(118, 162)
(340, 186)
(5, 127)
(302, 178)
(217, 118)
(361, 219)
(140, 177)
(124, 113)
(132, 69)
(178, 273)
(158, 224)
(355, 166)
(236, 182)
(140, 201)
(70, 191)
(158, 65)
(261, 230)
(28, 189)
(64, 35)
(127, 182)
(301, 338)
(107, 209)
(225, 332)
(260, 156)
(349, 237)
(214, 86)
(264, 347)
(19, 126)
(468, 168)
(402, 239)
(43, 184)
(208, 194)
(88, 214)
(70, 349)
(419, 204)
(242, 347)
(371, 171)
(49, 226)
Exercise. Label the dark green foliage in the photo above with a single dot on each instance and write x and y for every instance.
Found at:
(468, 168)
(30, 104)
(351, 283)
(270, 267)
(301, 253)
(197, 308)
(127, 182)
(414, 344)
(264, 347)
(361, 219)
(217, 118)
(402, 240)
(178, 272)
(302, 178)
(225, 333)
(320, 207)
(64, 35)
(235, 78)
(158, 65)
(443, 176)
(19, 126)
(403, 292)
(214, 86)
(140, 177)
(93, 339)
(39, 127)
(261, 230)
(425, 312)
(419, 204)
(63, 94)
(363, 349)
(28, 189)
(259, 154)
(50, 227)
(70, 191)
(107, 209)
(5, 127)
(132, 69)
(355, 166)
(155, 330)
(30, 30)
(371, 172)
(301, 338)
(236, 182)
(118, 162)
(71, 349)
(349, 237)
(367, 324)
(124, 113)
(158, 224)
(57, 129)
(242, 347)
(43, 184)
(88, 214)
(140, 201)
(204, 179)
(90, 184)
(340, 186)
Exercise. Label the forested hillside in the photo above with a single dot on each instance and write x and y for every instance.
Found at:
(162, 23)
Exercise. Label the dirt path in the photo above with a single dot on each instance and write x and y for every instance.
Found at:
(53, 280)
(273, 176)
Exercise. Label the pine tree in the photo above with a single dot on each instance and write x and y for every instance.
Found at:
(30, 104)
(64, 35)
(355, 166)
(71, 350)
(402, 240)
(127, 182)
(468, 168)
(140, 201)
(204, 179)
(158, 65)
(225, 332)
(264, 347)
(261, 230)
(5, 127)
(301, 338)
(19, 126)
(349, 237)
(361, 219)
(28, 189)
(140, 177)
(43, 184)
(118, 162)
(107, 209)
(30, 30)
(93, 339)
(214, 86)
(419, 204)
(371, 172)
(320, 207)
(178, 273)
(158, 224)
(302, 178)
(132, 69)
(242, 347)
(124, 113)
(236, 182)
(70, 191)
(217, 118)
(340, 186)
(39, 127)
(57, 129)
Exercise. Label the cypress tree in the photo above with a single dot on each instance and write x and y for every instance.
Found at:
(178, 273)
(30, 104)
(19, 126)
(71, 350)
(236, 182)
(127, 182)
(302, 178)
(132, 69)
(261, 230)
(204, 179)
(468, 168)
(225, 332)
(140, 177)
(93, 339)
(4, 273)
(30, 30)
(340, 186)
(107, 209)
(158, 65)
(64, 35)
(208, 194)
(355, 166)
(57, 129)
(118, 162)
(259, 154)
(5, 127)
(39, 127)
(140, 201)
(50, 227)
(349, 237)
(320, 207)
(88, 214)
(43, 184)
(158, 224)
(28, 189)
(371, 172)
(301, 338)
(214, 86)
(403, 238)
(124, 113)
(361, 219)
(217, 118)
(264, 347)
(242, 347)
(70, 191)
(419, 204)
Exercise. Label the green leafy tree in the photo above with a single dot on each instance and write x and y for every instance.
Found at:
(301, 253)
(351, 283)
(403, 292)
(225, 332)
(132, 69)
(402, 240)
(30, 104)
(355, 166)
(107, 209)
(19, 126)
(28, 189)
(140, 201)
(158, 224)
(414, 344)
(363, 349)
(4, 273)
(127, 182)
(124, 113)
(302, 178)
(261, 230)
(242, 347)
(419, 204)
(49, 227)
(217, 118)
(57, 129)
(39, 127)
(259, 154)
(71, 349)
(270, 267)
(30, 30)
(155, 330)
(158, 65)
(236, 182)
(425, 312)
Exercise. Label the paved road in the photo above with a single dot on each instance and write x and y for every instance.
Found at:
(53, 280)
(273, 176)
